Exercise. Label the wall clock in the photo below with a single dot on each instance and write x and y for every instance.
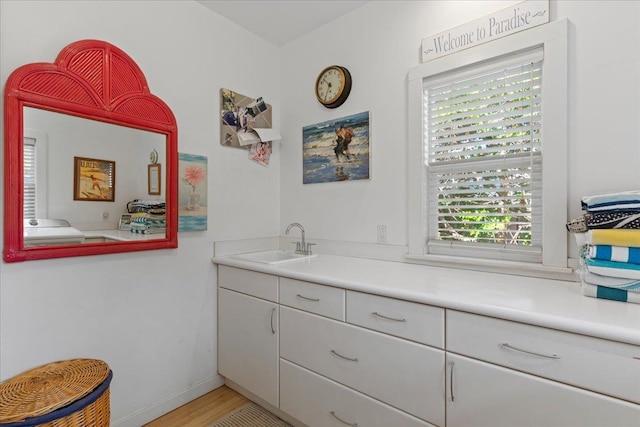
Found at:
(333, 86)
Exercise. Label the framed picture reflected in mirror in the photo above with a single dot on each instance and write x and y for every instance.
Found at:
(154, 172)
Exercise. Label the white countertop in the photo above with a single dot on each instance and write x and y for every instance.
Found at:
(543, 302)
(123, 235)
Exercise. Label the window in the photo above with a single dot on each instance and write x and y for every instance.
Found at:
(35, 172)
(29, 159)
(482, 144)
(487, 156)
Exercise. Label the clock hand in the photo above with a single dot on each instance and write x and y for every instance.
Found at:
(328, 90)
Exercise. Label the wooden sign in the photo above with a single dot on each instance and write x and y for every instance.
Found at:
(516, 18)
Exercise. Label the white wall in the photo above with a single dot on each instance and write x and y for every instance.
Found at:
(380, 41)
(149, 315)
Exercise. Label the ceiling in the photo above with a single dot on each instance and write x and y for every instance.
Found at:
(280, 22)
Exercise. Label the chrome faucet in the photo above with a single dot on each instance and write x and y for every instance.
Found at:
(302, 247)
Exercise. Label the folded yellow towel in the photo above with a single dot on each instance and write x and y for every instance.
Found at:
(614, 237)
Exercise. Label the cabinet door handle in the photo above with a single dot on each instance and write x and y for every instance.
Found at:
(548, 356)
(307, 298)
(393, 319)
(273, 312)
(343, 421)
(451, 381)
(355, 359)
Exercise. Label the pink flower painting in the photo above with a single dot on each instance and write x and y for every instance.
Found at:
(193, 175)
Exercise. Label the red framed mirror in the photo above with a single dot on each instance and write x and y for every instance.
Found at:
(92, 102)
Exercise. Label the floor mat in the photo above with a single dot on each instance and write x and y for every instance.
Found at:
(250, 415)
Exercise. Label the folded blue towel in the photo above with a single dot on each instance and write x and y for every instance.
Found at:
(615, 253)
(630, 285)
(613, 201)
(623, 270)
(603, 292)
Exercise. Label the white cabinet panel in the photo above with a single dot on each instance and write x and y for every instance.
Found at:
(259, 285)
(404, 374)
(319, 402)
(410, 320)
(319, 299)
(248, 343)
(596, 364)
(484, 395)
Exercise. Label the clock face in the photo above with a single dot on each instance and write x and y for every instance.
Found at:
(333, 86)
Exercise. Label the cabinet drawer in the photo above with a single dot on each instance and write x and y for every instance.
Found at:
(410, 320)
(403, 374)
(259, 285)
(319, 299)
(319, 402)
(604, 366)
(486, 395)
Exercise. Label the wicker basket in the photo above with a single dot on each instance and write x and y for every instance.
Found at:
(71, 393)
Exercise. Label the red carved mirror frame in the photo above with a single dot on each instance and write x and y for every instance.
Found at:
(95, 80)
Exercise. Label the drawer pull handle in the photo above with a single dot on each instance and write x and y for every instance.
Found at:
(343, 421)
(273, 311)
(548, 356)
(393, 319)
(451, 382)
(307, 298)
(355, 359)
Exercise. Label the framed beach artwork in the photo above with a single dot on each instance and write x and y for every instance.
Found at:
(94, 180)
(336, 150)
(192, 192)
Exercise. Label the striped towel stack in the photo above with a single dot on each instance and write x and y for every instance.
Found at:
(149, 224)
(610, 240)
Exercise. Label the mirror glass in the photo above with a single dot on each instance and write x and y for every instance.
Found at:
(91, 158)
(57, 140)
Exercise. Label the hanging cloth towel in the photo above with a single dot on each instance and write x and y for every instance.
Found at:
(615, 201)
(614, 237)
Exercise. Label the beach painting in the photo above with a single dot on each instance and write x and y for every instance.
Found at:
(336, 150)
(192, 192)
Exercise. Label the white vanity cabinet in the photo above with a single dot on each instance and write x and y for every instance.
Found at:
(332, 356)
(248, 331)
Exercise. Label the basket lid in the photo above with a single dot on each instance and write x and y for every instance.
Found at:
(46, 388)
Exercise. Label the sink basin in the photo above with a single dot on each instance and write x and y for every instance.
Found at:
(272, 257)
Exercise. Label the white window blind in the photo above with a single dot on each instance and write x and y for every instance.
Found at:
(29, 161)
(483, 158)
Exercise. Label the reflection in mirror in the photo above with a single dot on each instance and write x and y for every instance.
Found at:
(79, 134)
(54, 139)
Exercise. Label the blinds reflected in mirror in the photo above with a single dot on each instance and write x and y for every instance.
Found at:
(29, 184)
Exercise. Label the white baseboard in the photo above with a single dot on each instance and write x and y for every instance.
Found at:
(167, 405)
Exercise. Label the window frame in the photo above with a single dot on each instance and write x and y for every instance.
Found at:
(41, 173)
(552, 38)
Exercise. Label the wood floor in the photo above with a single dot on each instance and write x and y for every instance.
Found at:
(202, 411)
